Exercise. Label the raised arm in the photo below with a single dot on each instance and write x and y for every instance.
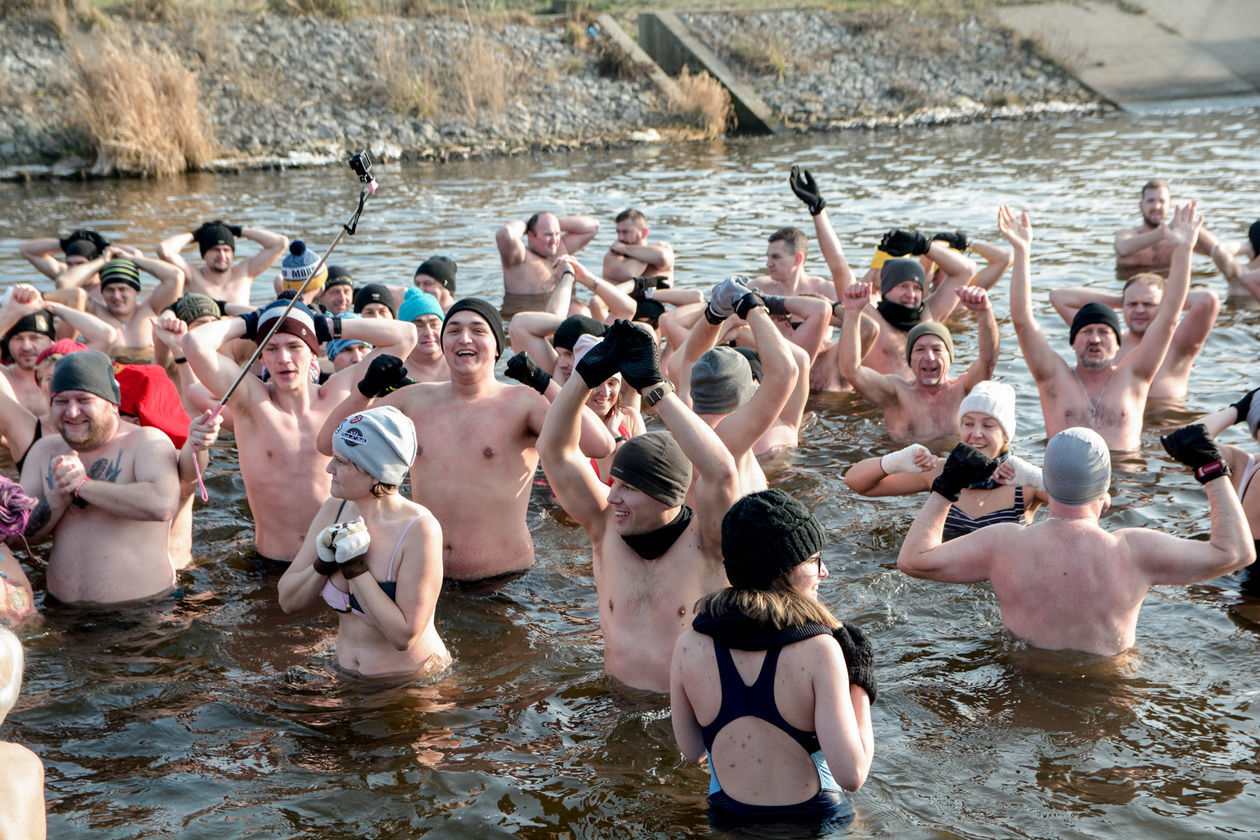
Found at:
(1042, 361)
(813, 315)
(1182, 231)
(976, 299)
(741, 430)
(578, 232)
(877, 388)
(902, 473)
(806, 189)
(620, 304)
(273, 245)
(170, 282)
(217, 371)
(717, 480)
(958, 272)
(39, 253)
(568, 471)
(528, 332)
(657, 254)
(1067, 301)
(997, 261)
(508, 241)
(169, 249)
(95, 333)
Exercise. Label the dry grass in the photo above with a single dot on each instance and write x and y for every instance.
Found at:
(705, 106)
(767, 56)
(407, 89)
(140, 107)
(476, 78)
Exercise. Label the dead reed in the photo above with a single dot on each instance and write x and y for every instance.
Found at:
(705, 105)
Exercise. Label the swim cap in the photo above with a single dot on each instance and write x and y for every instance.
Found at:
(573, 327)
(1094, 313)
(923, 328)
(338, 275)
(441, 269)
(380, 441)
(754, 362)
(1077, 466)
(487, 312)
(654, 463)
(60, 347)
(374, 293)
(214, 233)
(192, 306)
(765, 535)
(90, 371)
(897, 271)
(146, 392)
(994, 399)
(120, 271)
(416, 303)
(299, 265)
(721, 381)
(300, 322)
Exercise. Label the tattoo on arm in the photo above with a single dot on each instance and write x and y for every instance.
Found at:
(39, 518)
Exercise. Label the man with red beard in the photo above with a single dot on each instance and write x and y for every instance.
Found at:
(527, 266)
(220, 277)
(924, 408)
(106, 491)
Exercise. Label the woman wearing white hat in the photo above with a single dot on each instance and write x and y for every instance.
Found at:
(986, 420)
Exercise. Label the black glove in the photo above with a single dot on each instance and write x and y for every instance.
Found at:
(965, 466)
(645, 285)
(777, 304)
(640, 355)
(1193, 446)
(522, 368)
(747, 304)
(386, 373)
(235, 230)
(859, 656)
(602, 361)
(92, 236)
(956, 240)
(323, 329)
(802, 183)
(251, 324)
(899, 243)
(1243, 406)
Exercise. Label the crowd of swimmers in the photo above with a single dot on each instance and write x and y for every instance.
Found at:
(648, 404)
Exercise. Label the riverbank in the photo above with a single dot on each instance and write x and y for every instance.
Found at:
(285, 91)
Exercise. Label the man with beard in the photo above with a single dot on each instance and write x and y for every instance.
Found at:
(119, 269)
(26, 330)
(106, 491)
(631, 255)
(220, 277)
(276, 421)
(79, 247)
(902, 303)
(1148, 245)
(527, 266)
(477, 436)
(1099, 392)
(1139, 302)
(921, 409)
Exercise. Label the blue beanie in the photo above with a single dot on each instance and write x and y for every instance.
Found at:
(416, 303)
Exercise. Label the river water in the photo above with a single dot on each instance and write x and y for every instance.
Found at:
(217, 716)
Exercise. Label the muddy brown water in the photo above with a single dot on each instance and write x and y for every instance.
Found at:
(217, 716)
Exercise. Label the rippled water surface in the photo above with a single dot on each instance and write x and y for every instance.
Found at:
(219, 717)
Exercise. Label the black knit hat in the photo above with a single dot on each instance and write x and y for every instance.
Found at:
(375, 293)
(1094, 313)
(441, 269)
(486, 310)
(573, 328)
(765, 535)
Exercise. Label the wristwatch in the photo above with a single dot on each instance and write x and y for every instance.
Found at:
(657, 393)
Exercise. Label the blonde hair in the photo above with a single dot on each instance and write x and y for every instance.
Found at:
(779, 605)
(11, 662)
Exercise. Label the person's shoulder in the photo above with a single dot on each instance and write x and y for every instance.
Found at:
(19, 764)
(147, 437)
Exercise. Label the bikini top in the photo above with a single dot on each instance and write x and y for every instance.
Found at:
(959, 522)
(756, 700)
(345, 602)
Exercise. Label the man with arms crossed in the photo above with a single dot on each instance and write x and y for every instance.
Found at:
(633, 256)
(1097, 392)
(220, 278)
(1148, 245)
(1066, 583)
(654, 557)
(107, 491)
(276, 422)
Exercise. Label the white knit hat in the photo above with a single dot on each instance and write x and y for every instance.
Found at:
(997, 400)
(380, 441)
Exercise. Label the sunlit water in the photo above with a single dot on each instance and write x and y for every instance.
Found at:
(217, 716)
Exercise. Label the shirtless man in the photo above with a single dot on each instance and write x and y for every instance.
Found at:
(338, 293)
(1247, 271)
(1066, 583)
(220, 277)
(1147, 245)
(79, 247)
(1139, 303)
(1097, 392)
(276, 422)
(475, 465)
(924, 408)
(527, 266)
(425, 363)
(27, 330)
(107, 491)
(436, 275)
(720, 384)
(631, 255)
(653, 555)
(119, 270)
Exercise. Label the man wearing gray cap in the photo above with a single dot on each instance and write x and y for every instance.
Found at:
(1066, 583)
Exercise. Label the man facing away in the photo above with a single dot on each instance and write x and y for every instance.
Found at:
(653, 555)
(1066, 583)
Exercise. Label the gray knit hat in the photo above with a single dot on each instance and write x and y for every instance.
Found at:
(380, 441)
(90, 371)
(1077, 466)
(897, 271)
(721, 381)
(654, 463)
(765, 535)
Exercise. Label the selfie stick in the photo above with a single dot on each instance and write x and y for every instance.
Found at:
(361, 163)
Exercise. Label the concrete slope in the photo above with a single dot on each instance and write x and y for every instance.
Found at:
(1173, 49)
